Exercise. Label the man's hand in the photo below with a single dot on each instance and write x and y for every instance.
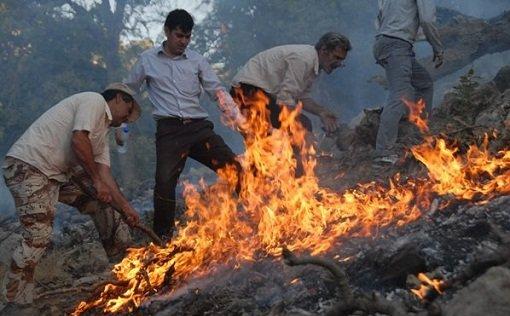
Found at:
(132, 217)
(118, 137)
(102, 191)
(329, 120)
(438, 59)
(229, 108)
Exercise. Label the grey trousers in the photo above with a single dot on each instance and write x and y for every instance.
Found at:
(407, 79)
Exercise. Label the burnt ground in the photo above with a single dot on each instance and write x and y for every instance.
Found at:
(443, 241)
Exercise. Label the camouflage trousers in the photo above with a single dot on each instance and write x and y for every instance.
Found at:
(35, 197)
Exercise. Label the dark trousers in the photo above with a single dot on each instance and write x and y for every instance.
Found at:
(177, 139)
(244, 95)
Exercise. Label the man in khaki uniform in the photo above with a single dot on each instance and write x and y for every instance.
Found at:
(65, 146)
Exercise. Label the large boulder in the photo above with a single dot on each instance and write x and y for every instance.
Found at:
(487, 295)
(502, 79)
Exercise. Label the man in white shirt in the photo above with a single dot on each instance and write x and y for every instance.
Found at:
(286, 74)
(38, 170)
(399, 23)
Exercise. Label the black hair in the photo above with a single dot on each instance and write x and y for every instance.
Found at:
(112, 93)
(179, 18)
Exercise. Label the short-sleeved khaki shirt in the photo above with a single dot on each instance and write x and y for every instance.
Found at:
(46, 144)
(287, 72)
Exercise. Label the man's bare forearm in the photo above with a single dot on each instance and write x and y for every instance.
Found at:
(118, 199)
(82, 148)
(313, 107)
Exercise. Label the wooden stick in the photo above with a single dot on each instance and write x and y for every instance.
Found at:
(144, 229)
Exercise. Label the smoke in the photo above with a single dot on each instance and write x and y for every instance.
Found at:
(479, 8)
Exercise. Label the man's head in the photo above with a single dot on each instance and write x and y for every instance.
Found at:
(332, 49)
(178, 26)
(123, 106)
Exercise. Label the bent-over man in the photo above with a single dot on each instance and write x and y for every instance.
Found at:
(38, 170)
(286, 74)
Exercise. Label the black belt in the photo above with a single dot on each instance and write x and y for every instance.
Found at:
(180, 120)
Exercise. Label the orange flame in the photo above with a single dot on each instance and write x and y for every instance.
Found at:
(428, 285)
(276, 208)
(477, 173)
(416, 113)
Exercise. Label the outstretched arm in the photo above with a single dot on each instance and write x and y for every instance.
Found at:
(327, 117)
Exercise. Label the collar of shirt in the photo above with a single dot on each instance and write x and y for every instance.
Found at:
(109, 116)
(316, 67)
(161, 50)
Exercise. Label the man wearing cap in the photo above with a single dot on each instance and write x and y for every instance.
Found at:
(175, 77)
(400, 23)
(38, 170)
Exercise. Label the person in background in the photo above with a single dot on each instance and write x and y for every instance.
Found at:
(399, 23)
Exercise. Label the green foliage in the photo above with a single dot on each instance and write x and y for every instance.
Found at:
(466, 88)
(43, 62)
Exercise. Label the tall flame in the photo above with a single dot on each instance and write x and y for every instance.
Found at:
(276, 208)
(416, 114)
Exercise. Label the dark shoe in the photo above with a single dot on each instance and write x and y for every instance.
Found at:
(388, 160)
(384, 162)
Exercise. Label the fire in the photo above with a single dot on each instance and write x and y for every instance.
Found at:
(477, 173)
(428, 286)
(274, 208)
(416, 114)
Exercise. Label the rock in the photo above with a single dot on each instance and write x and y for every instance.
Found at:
(61, 265)
(490, 118)
(407, 260)
(502, 79)
(487, 295)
